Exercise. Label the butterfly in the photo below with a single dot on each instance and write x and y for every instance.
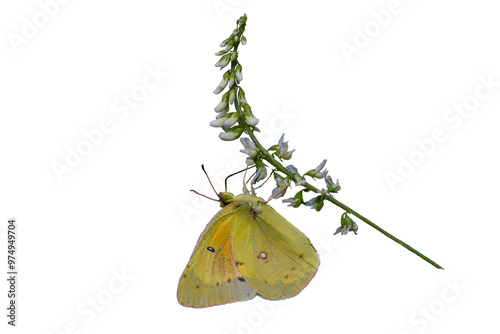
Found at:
(247, 249)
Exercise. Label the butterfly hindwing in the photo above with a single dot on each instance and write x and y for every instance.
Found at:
(211, 276)
(274, 257)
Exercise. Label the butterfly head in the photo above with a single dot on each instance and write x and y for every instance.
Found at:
(225, 198)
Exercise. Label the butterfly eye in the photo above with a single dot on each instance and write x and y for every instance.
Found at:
(210, 248)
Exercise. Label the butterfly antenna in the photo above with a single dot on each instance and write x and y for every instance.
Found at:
(249, 178)
(276, 195)
(243, 170)
(197, 193)
(203, 167)
(271, 174)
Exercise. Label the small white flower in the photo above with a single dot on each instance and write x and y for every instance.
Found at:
(231, 135)
(241, 96)
(346, 225)
(295, 202)
(283, 152)
(281, 186)
(232, 78)
(217, 123)
(239, 76)
(229, 45)
(250, 147)
(223, 61)
(252, 121)
(229, 122)
(318, 173)
(310, 202)
(223, 83)
(300, 181)
(222, 113)
(243, 40)
(249, 161)
(221, 106)
(232, 96)
(331, 186)
(260, 174)
(234, 55)
(223, 103)
(292, 169)
(220, 53)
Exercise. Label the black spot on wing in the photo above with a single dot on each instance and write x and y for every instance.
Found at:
(241, 279)
(229, 280)
(211, 249)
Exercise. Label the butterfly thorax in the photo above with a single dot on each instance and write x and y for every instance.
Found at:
(226, 198)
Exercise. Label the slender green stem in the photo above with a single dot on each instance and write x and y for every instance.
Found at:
(269, 158)
(276, 164)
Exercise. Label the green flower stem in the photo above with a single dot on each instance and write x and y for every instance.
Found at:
(276, 164)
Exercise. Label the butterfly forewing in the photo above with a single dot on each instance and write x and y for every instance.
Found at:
(211, 276)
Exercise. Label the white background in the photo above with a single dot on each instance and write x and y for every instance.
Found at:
(127, 206)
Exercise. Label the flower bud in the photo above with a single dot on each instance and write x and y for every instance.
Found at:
(223, 61)
(229, 122)
(250, 147)
(241, 96)
(232, 78)
(222, 104)
(217, 123)
(232, 95)
(229, 45)
(235, 133)
(223, 83)
(252, 120)
(260, 174)
(239, 76)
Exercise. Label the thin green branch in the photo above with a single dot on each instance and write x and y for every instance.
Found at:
(244, 125)
(276, 164)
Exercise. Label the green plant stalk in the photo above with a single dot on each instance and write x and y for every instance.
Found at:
(276, 164)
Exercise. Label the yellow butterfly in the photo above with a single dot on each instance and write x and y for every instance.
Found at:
(247, 249)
